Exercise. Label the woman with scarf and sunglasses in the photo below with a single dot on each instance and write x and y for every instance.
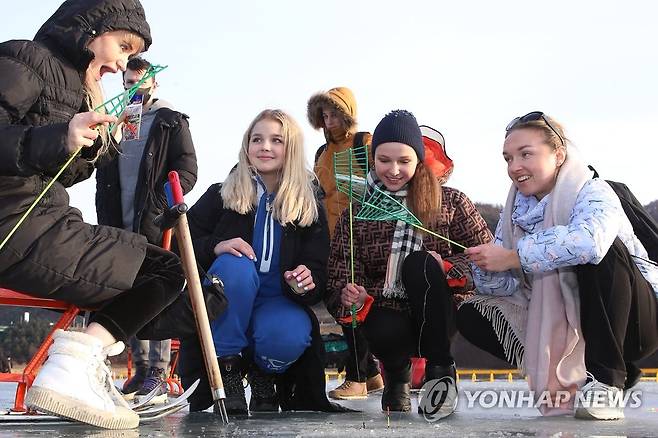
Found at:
(567, 291)
(404, 277)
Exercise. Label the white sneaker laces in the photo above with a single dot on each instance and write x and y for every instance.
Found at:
(104, 374)
(595, 385)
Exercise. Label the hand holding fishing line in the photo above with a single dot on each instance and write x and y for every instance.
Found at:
(493, 258)
(353, 295)
(81, 131)
(357, 299)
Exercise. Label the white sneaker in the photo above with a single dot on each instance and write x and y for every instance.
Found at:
(76, 383)
(598, 401)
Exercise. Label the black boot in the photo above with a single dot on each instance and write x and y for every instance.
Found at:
(397, 390)
(232, 375)
(263, 394)
(440, 399)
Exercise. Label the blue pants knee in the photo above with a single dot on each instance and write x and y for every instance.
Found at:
(277, 329)
(240, 287)
(280, 332)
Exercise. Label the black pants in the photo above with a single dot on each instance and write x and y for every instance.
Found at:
(395, 336)
(478, 331)
(361, 364)
(617, 316)
(158, 283)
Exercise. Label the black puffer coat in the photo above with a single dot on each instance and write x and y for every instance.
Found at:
(54, 254)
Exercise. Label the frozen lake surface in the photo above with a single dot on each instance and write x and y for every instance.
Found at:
(467, 421)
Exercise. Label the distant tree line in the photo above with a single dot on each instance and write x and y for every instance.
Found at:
(21, 340)
(12, 315)
(491, 212)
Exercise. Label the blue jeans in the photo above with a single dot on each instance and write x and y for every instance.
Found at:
(277, 329)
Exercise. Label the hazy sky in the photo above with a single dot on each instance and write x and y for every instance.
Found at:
(466, 68)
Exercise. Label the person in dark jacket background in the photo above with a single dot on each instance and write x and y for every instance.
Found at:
(48, 90)
(264, 233)
(130, 194)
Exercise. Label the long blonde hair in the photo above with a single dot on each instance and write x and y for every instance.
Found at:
(295, 200)
(95, 97)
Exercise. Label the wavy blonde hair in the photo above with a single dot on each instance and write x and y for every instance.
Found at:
(95, 96)
(295, 200)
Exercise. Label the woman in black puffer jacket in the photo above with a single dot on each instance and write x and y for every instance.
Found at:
(48, 89)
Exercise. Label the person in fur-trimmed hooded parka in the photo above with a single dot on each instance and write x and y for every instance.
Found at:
(334, 112)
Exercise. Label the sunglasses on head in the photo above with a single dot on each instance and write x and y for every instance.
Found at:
(531, 117)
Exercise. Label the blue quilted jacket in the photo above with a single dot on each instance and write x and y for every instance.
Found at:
(596, 220)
